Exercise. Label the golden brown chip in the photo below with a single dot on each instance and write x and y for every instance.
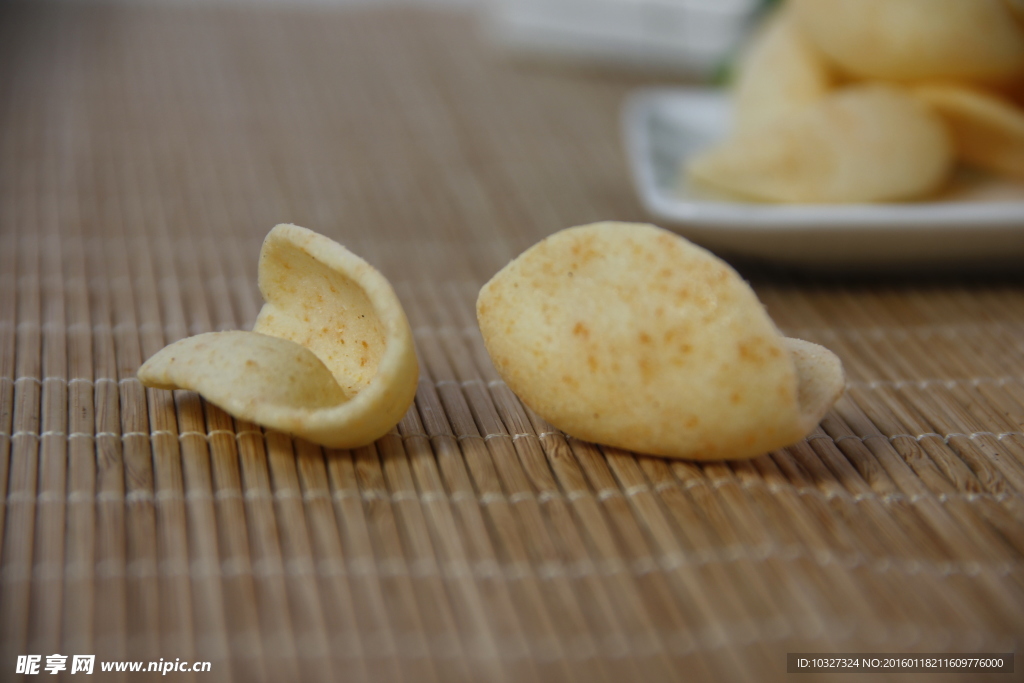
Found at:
(987, 130)
(628, 335)
(916, 39)
(778, 73)
(863, 143)
(331, 357)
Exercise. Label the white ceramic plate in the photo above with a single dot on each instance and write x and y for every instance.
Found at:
(978, 219)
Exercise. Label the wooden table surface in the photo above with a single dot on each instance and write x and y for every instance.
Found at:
(145, 150)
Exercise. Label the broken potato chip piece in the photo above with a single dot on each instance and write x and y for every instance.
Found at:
(631, 336)
(331, 357)
(862, 143)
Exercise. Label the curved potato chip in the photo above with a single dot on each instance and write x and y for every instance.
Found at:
(987, 130)
(628, 335)
(265, 379)
(331, 357)
(860, 144)
(777, 74)
(916, 39)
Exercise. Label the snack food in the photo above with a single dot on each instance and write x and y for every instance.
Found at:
(916, 39)
(778, 73)
(863, 143)
(821, 113)
(331, 357)
(628, 335)
(987, 131)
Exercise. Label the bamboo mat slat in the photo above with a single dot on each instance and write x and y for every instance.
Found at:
(145, 151)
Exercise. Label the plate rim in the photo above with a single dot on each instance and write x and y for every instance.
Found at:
(738, 217)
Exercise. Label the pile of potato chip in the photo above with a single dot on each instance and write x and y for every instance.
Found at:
(842, 101)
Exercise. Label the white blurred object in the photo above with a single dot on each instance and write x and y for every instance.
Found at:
(691, 36)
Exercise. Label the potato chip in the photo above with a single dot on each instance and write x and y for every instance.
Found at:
(820, 380)
(916, 39)
(988, 131)
(777, 74)
(331, 357)
(863, 143)
(628, 335)
(265, 379)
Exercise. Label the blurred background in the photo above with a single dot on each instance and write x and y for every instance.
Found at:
(147, 147)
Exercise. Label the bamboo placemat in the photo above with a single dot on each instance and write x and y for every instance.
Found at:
(144, 153)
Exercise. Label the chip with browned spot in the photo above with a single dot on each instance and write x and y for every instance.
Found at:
(331, 357)
(631, 336)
